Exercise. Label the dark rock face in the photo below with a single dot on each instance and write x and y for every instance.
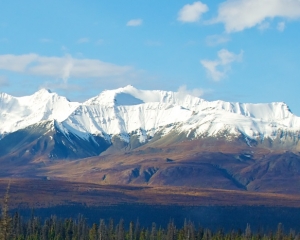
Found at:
(166, 160)
(47, 141)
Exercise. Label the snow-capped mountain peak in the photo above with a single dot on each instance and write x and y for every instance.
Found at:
(20, 112)
(129, 111)
(43, 91)
(129, 95)
(120, 96)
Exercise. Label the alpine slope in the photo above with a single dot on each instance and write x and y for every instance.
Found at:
(146, 115)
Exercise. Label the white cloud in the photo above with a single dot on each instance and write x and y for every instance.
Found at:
(192, 12)
(55, 84)
(134, 22)
(218, 69)
(16, 63)
(83, 40)
(62, 67)
(212, 71)
(263, 26)
(196, 92)
(214, 40)
(281, 26)
(238, 15)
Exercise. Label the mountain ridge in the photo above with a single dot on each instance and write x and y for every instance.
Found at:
(129, 136)
(126, 110)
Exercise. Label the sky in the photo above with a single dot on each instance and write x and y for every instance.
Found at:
(231, 50)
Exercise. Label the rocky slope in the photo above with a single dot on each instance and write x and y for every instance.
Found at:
(157, 138)
(127, 118)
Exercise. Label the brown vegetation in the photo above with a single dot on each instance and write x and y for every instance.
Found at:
(44, 193)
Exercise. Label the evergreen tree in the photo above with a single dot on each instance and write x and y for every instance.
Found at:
(171, 231)
(93, 233)
(219, 235)
(279, 233)
(153, 235)
(200, 233)
(147, 234)
(69, 229)
(137, 230)
(207, 234)
(45, 232)
(17, 225)
(131, 231)
(292, 234)
(121, 231)
(102, 230)
(142, 234)
(111, 232)
(5, 221)
(248, 233)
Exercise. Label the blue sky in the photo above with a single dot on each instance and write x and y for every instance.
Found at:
(232, 50)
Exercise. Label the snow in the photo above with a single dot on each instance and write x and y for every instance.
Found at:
(126, 111)
(122, 96)
(19, 112)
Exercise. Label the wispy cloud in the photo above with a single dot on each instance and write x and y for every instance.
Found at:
(219, 68)
(263, 26)
(214, 40)
(281, 26)
(63, 67)
(238, 15)
(196, 92)
(83, 40)
(192, 12)
(134, 22)
(16, 63)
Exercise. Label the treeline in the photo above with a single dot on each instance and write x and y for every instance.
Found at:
(16, 228)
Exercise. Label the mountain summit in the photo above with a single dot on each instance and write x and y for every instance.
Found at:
(128, 118)
(133, 136)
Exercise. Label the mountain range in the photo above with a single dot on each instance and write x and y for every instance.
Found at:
(153, 137)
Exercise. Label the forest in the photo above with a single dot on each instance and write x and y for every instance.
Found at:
(16, 227)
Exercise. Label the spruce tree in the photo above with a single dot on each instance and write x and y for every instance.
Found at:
(248, 233)
(121, 230)
(93, 233)
(102, 230)
(5, 221)
(153, 235)
(131, 231)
